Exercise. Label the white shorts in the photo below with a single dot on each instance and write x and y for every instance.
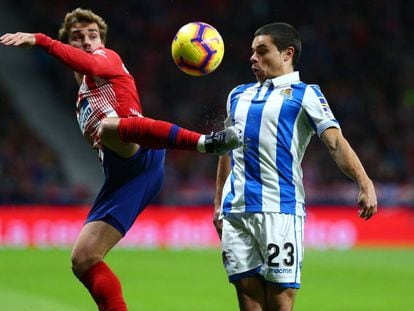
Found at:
(265, 244)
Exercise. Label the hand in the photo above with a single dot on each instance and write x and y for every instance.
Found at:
(21, 39)
(218, 223)
(367, 200)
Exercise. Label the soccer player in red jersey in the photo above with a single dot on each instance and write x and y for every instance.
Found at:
(130, 145)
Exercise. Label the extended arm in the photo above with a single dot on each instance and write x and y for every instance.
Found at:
(98, 64)
(350, 165)
(223, 170)
(18, 39)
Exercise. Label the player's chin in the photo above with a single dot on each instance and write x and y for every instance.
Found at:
(259, 75)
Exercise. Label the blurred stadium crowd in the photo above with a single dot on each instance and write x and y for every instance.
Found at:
(361, 53)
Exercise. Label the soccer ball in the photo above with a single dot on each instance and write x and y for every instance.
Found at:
(197, 49)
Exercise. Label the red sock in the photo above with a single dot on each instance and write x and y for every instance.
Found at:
(157, 134)
(104, 287)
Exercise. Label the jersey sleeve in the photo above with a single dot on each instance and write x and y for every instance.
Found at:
(318, 111)
(101, 63)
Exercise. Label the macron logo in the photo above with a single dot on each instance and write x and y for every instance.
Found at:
(281, 271)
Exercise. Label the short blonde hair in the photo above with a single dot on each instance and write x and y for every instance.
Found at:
(82, 16)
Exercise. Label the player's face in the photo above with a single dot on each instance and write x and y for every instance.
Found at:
(85, 37)
(267, 60)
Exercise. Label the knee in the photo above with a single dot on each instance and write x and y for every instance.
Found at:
(108, 129)
(83, 262)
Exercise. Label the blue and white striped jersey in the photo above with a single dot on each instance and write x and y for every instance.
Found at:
(277, 119)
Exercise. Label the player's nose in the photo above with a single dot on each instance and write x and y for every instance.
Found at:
(86, 41)
(86, 45)
(253, 58)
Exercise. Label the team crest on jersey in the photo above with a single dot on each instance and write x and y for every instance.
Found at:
(286, 93)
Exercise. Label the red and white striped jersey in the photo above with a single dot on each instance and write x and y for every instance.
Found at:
(107, 88)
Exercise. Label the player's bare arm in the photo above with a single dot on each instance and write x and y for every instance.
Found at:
(21, 39)
(223, 170)
(350, 165)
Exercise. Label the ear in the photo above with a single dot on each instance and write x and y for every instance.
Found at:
(288, 53)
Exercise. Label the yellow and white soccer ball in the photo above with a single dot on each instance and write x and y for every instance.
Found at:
(197, 48)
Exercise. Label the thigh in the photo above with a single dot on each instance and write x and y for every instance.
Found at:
(129, 186)
(94, 241)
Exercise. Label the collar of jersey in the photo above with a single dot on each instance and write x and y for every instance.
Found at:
(286, 79)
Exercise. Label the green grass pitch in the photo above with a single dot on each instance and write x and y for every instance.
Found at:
(172, 280)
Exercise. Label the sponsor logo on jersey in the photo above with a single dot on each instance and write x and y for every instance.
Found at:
(85, 113)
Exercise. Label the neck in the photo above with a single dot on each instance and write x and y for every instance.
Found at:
(78, 77)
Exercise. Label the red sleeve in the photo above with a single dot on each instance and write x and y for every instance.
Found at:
(102, 63)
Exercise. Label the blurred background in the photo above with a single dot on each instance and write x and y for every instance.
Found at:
(361, 53)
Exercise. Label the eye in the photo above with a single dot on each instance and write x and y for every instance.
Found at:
(261, 52)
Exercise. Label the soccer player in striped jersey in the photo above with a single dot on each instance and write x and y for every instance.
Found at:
(260, 200)
(130, 145)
